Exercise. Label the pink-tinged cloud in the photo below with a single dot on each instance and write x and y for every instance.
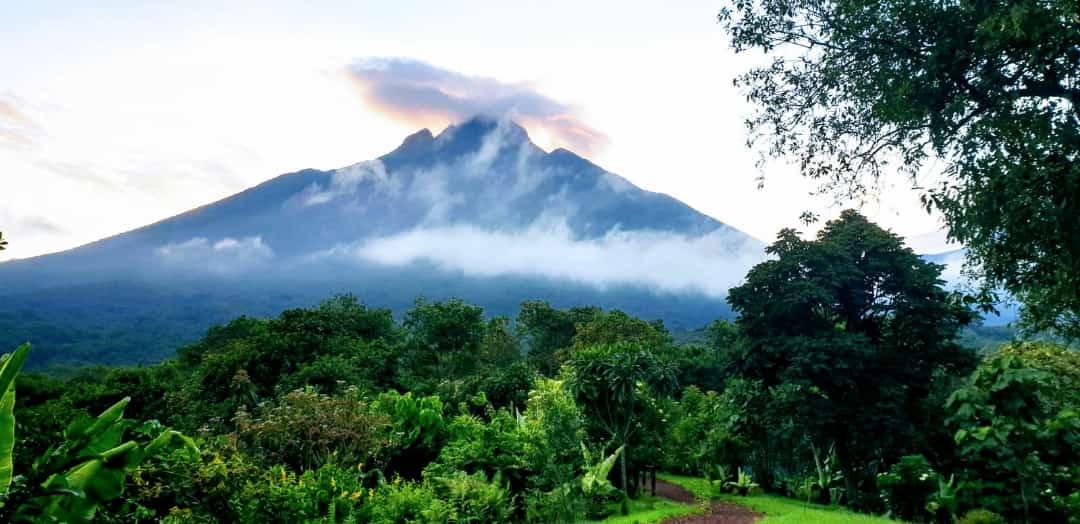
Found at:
(16, 129)
(425, 95)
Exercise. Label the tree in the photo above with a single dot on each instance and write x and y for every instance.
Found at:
(547, 330)
(858, 325)
(613, 383)
(499, 347)
(445, 338)
(988, 90)
(1017, 424)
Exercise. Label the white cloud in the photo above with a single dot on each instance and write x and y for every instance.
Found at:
(226, 256)
(346, 181)
(709, 264)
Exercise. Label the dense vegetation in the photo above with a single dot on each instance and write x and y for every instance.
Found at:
(841, 383)
(976, 101)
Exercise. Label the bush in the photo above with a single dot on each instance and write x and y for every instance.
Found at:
(472, 498)
(981, 516)
(306, 430)
(405, 501)
(907, 487)
(417, 431)
(329, 494)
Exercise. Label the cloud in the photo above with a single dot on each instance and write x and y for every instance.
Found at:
(425, 95)
(226, 256)
(17, 131)
(344, 182)
(661, 261)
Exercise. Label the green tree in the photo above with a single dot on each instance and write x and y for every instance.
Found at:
(609, 327)
(708, 365)
(1017, 424)
(859, 326)
(444, 339)
(986, 92)
(499, 347)
(547, 330)
(614, 384)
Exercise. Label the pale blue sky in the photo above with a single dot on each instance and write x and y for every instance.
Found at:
(122, 113)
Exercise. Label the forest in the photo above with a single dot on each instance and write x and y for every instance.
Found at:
(840, 388)
(846, 389)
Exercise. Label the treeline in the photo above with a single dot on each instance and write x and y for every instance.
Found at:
(840, 383)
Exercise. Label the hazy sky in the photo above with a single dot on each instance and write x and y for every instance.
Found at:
(123, 113)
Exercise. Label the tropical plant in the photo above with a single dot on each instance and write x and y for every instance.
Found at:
(743, 483)
(907, 488)
(613, 384)
(417, 430)
(1016, 440)
(473, 499)
(77, 475)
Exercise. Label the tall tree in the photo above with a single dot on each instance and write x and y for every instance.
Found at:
(547, 330)
(614, 384)
(859, 323)
(444, 338)
(988, 90)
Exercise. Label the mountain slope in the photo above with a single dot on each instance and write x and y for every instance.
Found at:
(477, 212)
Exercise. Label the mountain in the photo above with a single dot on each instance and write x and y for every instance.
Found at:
(477, 212)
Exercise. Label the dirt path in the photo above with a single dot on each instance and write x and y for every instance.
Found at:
(719, 513)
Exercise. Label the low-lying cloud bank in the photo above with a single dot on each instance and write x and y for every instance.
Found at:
(665, 262)
(225, 256)
(422, 94)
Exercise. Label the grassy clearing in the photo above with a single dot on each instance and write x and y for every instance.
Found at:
(780, 510)
(647, 510)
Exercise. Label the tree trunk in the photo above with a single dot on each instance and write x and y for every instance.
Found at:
(625, 483)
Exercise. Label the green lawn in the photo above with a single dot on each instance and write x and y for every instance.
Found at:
(647, 510)
(781, 510)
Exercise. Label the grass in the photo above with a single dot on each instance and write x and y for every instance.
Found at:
(780, 510)
(647, 510)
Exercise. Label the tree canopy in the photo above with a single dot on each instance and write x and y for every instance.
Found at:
(974, 100)
(856, 322)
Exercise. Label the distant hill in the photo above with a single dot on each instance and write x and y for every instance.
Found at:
(477, 212)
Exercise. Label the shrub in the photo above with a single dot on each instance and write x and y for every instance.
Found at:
(417, 431)
(907, 486)
(473, 499)
(330, 494)
(305, 430)
(981, 516)
(702, 436)
(405, 501)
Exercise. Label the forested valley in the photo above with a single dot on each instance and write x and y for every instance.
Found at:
(840, 385)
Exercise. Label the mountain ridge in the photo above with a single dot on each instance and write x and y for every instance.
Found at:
(477, 212)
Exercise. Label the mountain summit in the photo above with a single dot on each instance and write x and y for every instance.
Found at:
(477, 212)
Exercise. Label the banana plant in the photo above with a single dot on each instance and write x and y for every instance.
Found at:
(595, 480)
(74, 477)
(743, 483)
(10, 365)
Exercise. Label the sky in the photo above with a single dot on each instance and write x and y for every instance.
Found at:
(119, 114)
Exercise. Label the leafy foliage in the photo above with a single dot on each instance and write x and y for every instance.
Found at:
(857, 325)
(1018, 433)
(856, 89)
